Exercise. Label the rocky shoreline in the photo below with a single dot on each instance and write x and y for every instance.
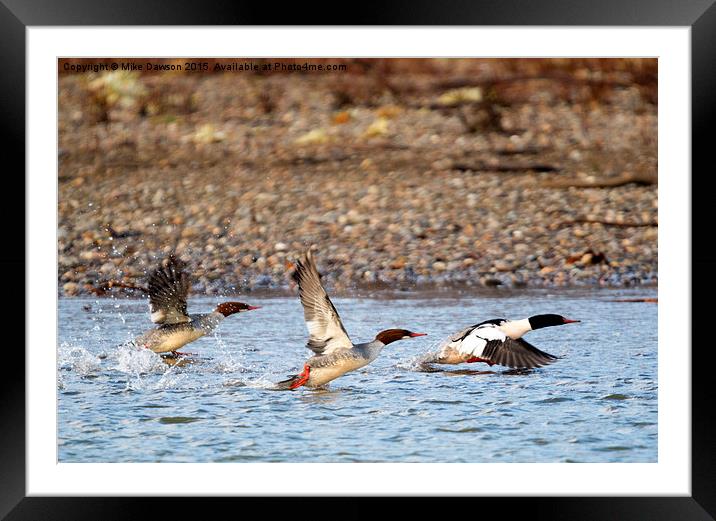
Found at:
(393, 193)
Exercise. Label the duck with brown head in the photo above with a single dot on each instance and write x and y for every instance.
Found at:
(334, 352)
(168, 288)
(229, 308)
(391, 335)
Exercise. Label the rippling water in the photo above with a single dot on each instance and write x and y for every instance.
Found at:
(597, 404)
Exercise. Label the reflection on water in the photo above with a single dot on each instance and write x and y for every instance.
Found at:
(597, 404)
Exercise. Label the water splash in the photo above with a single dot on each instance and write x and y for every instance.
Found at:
(226, 362)
(420, 363)
(135, 360)
(233, 374)
(77, 359)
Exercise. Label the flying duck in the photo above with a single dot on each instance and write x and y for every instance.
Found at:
(334, 353)
(498, 341)
(168, 287)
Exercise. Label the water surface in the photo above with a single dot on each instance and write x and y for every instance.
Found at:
(597, 404)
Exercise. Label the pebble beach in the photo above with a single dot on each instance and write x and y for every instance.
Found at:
(401, 183)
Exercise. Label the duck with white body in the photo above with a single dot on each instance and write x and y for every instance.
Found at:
(498, 341)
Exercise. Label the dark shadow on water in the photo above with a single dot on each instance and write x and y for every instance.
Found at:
(426, 367)
(465, 372)
(517, 372)
(302, 390)
(182, 360)
(320, 395)
(178, 419)
(429, 368)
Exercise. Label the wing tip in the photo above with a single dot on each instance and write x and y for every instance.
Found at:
(170, 265)
(298, 272)
(549, 359)
(168, 286)
(171, 260)
(303, 265)
(309, 260)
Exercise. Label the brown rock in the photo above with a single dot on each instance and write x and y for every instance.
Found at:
(398, 264)
(341, 117)
(439, 266)
(70, 288)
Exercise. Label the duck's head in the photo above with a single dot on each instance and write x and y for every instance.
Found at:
(229, 308)
(548, 320)
(391, 335)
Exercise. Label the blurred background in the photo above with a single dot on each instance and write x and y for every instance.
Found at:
(405, 173)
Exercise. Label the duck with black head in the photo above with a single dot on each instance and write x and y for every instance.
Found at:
(498, 341)
(334, 352)
(168, 287)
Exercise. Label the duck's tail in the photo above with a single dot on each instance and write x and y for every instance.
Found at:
(424, 364)
(286, 385)
(294, 381)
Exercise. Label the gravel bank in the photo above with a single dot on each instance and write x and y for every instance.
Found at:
(240, 173)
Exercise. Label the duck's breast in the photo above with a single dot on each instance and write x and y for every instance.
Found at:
(329, 367)
(165, 340)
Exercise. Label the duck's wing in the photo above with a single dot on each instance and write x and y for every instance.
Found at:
(518, 354)
(325, 329)
(168, 289)
(490, 343)
(454, 340)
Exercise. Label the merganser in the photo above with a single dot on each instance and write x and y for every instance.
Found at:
(335, 354)
(498, 341)
(168, 287)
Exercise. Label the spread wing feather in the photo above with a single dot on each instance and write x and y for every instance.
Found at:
(168, 289)
(325, 329)
(516, 353)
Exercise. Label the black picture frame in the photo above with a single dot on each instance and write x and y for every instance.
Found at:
(699, 15)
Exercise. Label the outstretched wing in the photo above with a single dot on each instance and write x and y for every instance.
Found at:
(168, 288)
(516, 353)
(488, 342)
(325, 330)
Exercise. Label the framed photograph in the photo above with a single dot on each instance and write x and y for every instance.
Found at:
(478, 221)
